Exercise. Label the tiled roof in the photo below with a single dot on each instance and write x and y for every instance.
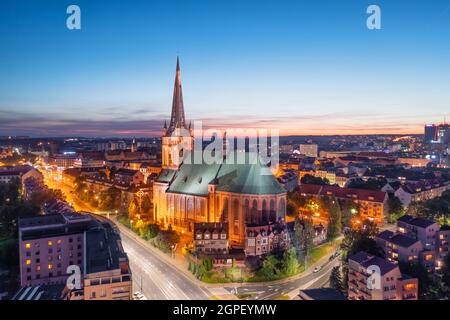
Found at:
(416, 221)
(349, 193)
(212, 227)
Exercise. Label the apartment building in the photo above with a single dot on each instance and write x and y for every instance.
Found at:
(107, 272)
(412, 192)
(372, 204)
(373, 278)
(48, 245)
(424, 230)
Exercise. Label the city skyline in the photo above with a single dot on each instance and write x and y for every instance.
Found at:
(264, 66)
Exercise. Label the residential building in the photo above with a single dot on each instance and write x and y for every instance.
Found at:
(424, 230)
(107, 273)
(211, 238)
(129, 177)
(412, 192)
(399, 247)
(262, 239)
(365, 283)
(48, 245)
(19, 173)
(372, 204)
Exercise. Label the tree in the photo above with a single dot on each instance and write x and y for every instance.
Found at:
(146, 204)
(291, 209)
(336, 279)
(152, 231)
(349, 210)
(395, 209)
(370, 184)
(303, 237)
(9, 192)
(309, 179)
(289, 264)
(110, 199)
(133, 208)
(269, 269)
(335, 218)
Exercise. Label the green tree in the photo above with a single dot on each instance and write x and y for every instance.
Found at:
(110, 199)
(309, 179)
(349, 210)
(289, 264)
(152, 231)
(336, 279)
(335, 219)
(395, 209)
(291, 209)
(269, 269)
(133, 208)
(370, 184)
(146, 204)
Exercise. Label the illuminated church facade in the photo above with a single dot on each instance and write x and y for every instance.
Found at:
(187, 193)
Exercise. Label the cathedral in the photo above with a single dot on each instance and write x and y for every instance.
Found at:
(186, 193)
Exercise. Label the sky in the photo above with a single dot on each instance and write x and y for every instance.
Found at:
(306, 67)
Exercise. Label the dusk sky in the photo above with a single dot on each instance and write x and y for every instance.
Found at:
(304, 67)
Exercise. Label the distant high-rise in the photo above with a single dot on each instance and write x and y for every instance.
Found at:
(437, 133)
(430, 133)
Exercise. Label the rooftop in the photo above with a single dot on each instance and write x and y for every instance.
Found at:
(321, 294)
(416, 221)
(103, 249)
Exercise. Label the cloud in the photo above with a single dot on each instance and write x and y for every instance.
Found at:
(149, 124)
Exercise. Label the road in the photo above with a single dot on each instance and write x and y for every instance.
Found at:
(270, 292)
(155, 278)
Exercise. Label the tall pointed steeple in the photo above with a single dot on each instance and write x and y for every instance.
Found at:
(177, 119)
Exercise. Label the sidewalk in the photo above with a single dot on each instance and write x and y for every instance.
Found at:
(181, 266)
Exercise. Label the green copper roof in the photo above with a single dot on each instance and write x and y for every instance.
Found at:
(194, 179)
(166, 175)
(250, 178)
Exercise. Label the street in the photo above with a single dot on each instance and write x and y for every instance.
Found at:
(156, 279)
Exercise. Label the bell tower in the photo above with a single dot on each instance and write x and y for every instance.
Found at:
(177, 138)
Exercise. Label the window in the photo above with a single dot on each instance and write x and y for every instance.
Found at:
(50, 266)
(38, 268)
(93, 295)
(28, 245)
(59, 241)
(50, 243)
(28, 262)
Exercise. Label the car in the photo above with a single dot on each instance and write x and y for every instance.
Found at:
(317, 269)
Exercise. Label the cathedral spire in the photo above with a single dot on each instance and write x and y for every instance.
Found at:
(177, 119)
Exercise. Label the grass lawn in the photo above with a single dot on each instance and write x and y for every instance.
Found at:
(321, 251)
